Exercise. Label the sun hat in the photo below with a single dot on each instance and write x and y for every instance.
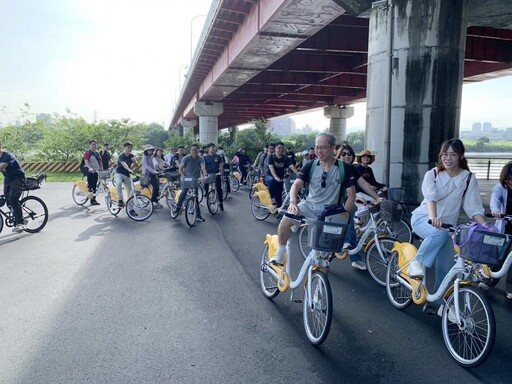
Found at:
(365, 153)
(147, 147)
(304, 153)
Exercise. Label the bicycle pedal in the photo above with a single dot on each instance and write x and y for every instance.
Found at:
(298, 301)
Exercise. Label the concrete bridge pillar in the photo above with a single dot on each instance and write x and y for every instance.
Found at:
(208, 113)
(415, 72)
(188, 127)
(338, 120)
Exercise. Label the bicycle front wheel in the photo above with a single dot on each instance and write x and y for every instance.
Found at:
(112, 206)
(259, 211)
(376, 262)
(79, 197)
(200, 194)
(399, 230)
(35, 213)
(212, 202)
(235, 184)
(139, 207)
(304, 247)
(224, 189)
(471, 342)
(317, 308)
(398, 294)
(190, 211)
(267, 282)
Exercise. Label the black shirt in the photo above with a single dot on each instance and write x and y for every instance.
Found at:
(280, 165)
(13, 170)
(105, 159)
(212, 163)
(128, 160)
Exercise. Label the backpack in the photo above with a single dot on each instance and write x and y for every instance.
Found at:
(83, 168)
(341, 168)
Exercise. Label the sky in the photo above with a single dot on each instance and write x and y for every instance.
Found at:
(113, 59)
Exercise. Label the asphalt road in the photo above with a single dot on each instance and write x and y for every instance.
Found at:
(100, 299)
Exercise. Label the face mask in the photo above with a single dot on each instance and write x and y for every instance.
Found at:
(220, 152)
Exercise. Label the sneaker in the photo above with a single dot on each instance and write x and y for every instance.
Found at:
(18, 228)
(120, 204)
(199, 219)
(359, 265)
(452, 318)
(133, 213)
(278, 258)
(509, 296)
(157, 205)
(221, 207)
(94, 202)
(416, 269)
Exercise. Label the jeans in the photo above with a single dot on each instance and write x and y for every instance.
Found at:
(123, 180)
(276, 189)
(351, 236)
(12, 192)
(437, 246)
(218, 187)
(156, 188)
(183, 195)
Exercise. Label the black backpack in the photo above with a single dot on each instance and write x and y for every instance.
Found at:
(83, 168)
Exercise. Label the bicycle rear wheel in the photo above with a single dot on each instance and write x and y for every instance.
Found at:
(224, 185)
(470, 343)
(399, 230)
(190, 211)
(212, 202)
(235, 184)
(200, 194)
(304, 247)
(377, 264)
(35, 213)
(267, 282)
(79, 197)
(112, 206)
(317, 308)
(259, 211)
(398, 294)
(139, 207)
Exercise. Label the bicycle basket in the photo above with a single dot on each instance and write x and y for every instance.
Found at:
(396, 194)
(326, 236)
(189, 182)
(31, 183)
(482, 246)
(390, 211)
(211, 178)
(104, 175)
(172, 176)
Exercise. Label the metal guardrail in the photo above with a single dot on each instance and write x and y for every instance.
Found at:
(487, 165)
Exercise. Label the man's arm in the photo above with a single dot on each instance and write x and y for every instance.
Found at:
(294, 196)
(351, 198)
(292, 167)
(273, 172)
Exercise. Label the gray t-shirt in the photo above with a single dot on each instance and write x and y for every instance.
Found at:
(192, 166)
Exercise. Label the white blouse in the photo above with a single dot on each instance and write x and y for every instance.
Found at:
(447, 191)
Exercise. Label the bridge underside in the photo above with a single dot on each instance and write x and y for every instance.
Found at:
(293, 63)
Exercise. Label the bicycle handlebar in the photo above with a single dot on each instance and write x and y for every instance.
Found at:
(503, 217)
(444, 225)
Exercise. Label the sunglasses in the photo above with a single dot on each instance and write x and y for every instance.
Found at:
(346, 154)
(324, 177)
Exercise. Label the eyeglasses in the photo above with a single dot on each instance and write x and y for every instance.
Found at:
(449, 155)
(365, 156)
(324, 177)
(322, 147)
(346, 154)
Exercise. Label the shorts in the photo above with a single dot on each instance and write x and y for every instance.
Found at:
(305, 211)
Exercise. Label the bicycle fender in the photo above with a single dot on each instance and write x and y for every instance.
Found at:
(450, 290)
(82, 186)
(260, 187)
(264, 197)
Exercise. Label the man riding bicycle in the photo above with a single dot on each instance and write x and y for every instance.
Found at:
(278, 163)
(214, 166)
(14, 181)
(325, 188)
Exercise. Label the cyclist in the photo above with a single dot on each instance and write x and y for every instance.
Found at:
(192, 166)
(149, 169)
(123, 171)
(158, 160)
(168, 159)
(444, 188)
(256, 164)
(264, 160)
(14, 180)
(278, 163)
(364, 159)
(325, 188)
(214, 165)
(225, 164)
(243, 161)
(105, 156)
(179, 156)
(93, 163)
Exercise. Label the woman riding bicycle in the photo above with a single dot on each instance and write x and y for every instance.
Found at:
(444, 188)
(148, 169)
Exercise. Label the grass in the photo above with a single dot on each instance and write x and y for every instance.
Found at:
(56, 176)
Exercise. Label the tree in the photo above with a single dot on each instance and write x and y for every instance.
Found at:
(356, 141)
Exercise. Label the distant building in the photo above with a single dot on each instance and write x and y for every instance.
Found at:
(486, 127)
(477, 127)
(281, 126)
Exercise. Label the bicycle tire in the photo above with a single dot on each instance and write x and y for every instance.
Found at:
(79, 197)
(377, 267)
(317, 310)
(235, 184)
(1, 223)
(399, 230)
(139, 207)
(398, 294)
(35, 213)
(304, 247)
(212, 202)
(173, 204)
(259, 211)
(112, 206)
(267, 282)
(200, 194)
(190, 212)
(224, 186)
(249, 181)
(471, 343)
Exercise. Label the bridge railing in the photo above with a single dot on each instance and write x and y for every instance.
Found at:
(487, 166)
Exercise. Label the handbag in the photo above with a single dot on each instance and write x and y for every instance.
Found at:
(481, 243)
(145, 180)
